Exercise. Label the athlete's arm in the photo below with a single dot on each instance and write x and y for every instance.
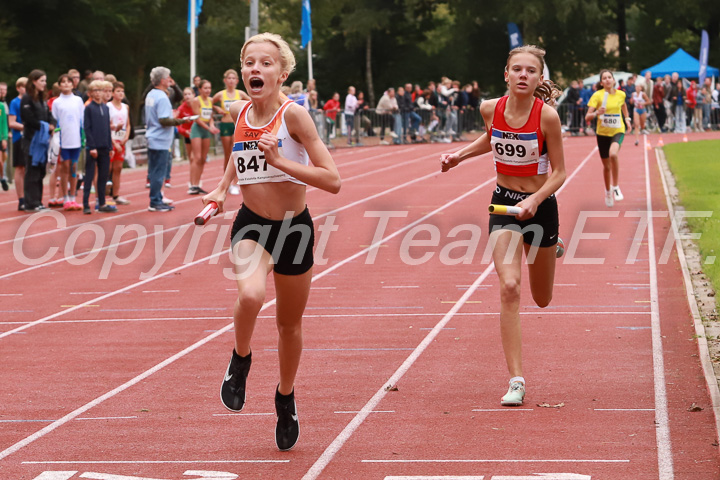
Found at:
(552, 131)
(480, 146)
(322, 173)
(626, 113)
(217, 98)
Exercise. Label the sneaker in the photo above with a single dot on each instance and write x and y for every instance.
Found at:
(514, 396)
(617, 194)
(3, 182)
(167, 201)
(87, 210)
(21, 205)
(68, 206)
(637, 143)
(76, 206)
(160, 208)
(232, 391)
(55, 202)
(121, 201)
(559, 248)
(110, 201)
(609, 201)
(287, 430)
(168, 184)
(393, 135)
(234, 190)
(383, 142)
(147, 183)
(193, 190)
(108, 208)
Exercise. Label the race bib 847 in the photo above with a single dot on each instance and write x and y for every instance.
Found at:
(251, 166)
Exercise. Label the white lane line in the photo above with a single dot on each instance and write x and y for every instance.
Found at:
(75, 413)
(507, 460)
(11, 294)
(374, 411)
(662, 420)
(700, 334)
(630, 284)
(316, 288)
(401, 286)
(143, 462)
(333, 315)
(160, 291)
(350, 428)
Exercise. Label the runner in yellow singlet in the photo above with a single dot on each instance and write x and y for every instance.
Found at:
(222, 101)
(608, 106)
(200, 134)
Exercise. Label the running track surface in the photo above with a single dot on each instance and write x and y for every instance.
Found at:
(118, 378)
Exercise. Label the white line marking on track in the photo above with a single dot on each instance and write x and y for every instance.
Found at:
(75, 413)
(106, 418)
(143, 462)
(662, 432)
(320, 288)
(401, 286)
(436, 477)
(11, 294)
(241, 414)
(160, 291)
(701, 338)
(350, 428)
(374, 411)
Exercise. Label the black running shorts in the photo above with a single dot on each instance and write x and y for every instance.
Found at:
(604, 143)
(540, 230)
(290, 244)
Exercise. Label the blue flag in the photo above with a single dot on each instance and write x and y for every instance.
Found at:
(704, 48)
(515, 36)
(306, 28)
(198, 9)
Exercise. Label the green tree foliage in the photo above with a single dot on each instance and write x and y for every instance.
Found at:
(372, 44)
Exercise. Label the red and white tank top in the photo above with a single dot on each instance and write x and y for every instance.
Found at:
(249, 161)
(519, 152)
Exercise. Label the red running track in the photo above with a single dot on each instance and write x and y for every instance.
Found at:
(117, 378)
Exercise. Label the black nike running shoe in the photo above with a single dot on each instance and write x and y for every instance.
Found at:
(232, 392)
(287, 430)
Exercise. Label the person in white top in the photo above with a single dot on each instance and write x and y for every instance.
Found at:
(120, 132)
(640, 102)
(351, 103)
(276, 154)
(68, 110)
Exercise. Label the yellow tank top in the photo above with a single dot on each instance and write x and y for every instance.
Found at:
(227, 101)
(206, 109)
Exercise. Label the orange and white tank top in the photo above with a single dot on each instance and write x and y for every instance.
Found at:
(249, 161)
(227, 101)
(519, 152)
(206, 109)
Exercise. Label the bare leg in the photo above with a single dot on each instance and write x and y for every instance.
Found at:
(607, 172)
(542, 274)
(203, 158)
(195, 159)
(507, 256)
(614, 164)
(227, 143)
(115, 170)
(64, 171)
(20, 181)
(252, 265)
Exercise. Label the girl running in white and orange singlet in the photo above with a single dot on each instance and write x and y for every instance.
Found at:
(608, 106)
(640, 101)
(275, 142)
(200, 134)
(525, 137)
(222, 101)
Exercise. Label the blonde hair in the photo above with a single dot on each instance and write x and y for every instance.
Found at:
(21, 82)
(547, 91)
(296, 86)
(110, 78)
(287, 59)
(230, 71)
(96, 85)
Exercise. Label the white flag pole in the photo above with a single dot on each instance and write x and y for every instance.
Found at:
(309, 52)
(193, 16)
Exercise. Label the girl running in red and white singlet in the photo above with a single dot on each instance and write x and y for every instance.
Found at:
(525, 137)
(276, 154)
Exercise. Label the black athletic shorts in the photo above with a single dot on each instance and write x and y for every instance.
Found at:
(540, 230)
(604, 143)
(289, 242)
(18, 155)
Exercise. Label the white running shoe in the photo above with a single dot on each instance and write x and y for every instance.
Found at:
(234, 190)
(514, 396)
(609, 200)
(167, 201)
(617, 194)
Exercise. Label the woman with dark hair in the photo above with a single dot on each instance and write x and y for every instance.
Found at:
(37, 121)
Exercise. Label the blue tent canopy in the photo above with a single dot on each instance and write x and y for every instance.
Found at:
(681, 62)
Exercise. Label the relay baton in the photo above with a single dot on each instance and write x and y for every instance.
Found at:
(210, 210)
(503, 209)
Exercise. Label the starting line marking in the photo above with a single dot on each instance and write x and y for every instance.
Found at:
(143, 462)
(536, 476)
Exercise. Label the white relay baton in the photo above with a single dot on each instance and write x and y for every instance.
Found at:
(503, 210)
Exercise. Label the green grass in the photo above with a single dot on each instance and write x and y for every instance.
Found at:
(696, 167)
